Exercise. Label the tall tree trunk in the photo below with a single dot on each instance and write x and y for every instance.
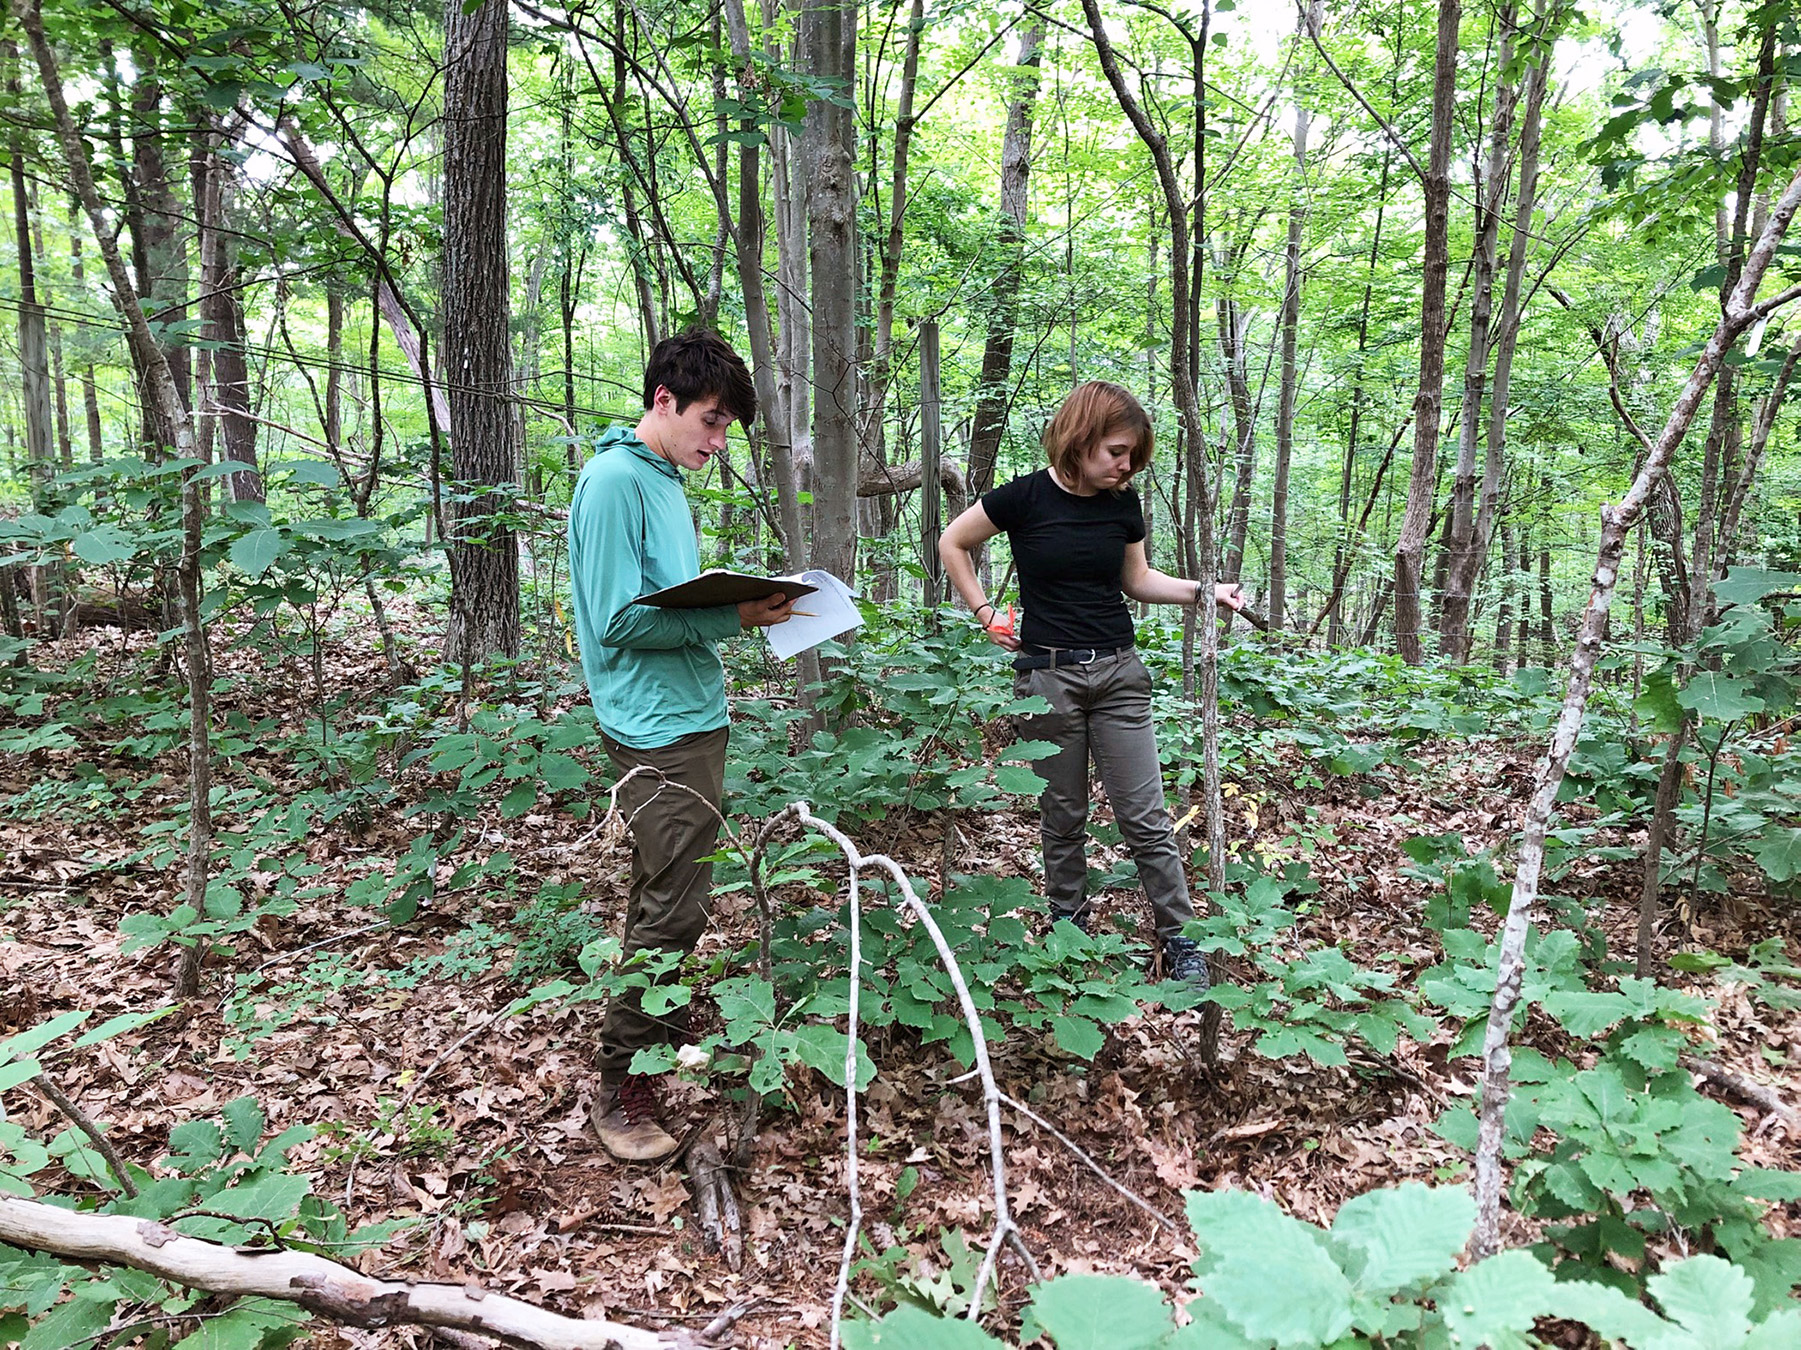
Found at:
(1460, 560)
(1422, 483)
(828, 39)
(525, 381)
(638, 248)
(90, 394)
(164, 280)
(222, 310)
(484, 557)
(34, 371)
(1547, 635)
(1691, 613)
(334, 361)
(160, 382)
(59, 387)
(993, 396)
(776, 431)
(1342, 551)
(881, 373)
(794, 320)
(1724, 431)
(1504, 605)
(1234, 332)
(931, 444)
(1291, 323)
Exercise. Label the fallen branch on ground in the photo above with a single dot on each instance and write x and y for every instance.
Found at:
(333, 1291)
(1764, 1098)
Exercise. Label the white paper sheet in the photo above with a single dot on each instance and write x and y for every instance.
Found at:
(830, 610)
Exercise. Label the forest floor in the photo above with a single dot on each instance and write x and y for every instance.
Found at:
(475, 1130)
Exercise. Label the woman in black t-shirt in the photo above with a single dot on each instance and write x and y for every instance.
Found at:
(1077, 533)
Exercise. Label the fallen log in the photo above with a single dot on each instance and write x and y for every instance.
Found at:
(333, 1291)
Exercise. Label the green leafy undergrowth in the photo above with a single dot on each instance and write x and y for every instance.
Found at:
(914, 715)
(1383, 1275)
(1640, 1163)
(1767, 974)
(1311, 1001)
(1064, 987)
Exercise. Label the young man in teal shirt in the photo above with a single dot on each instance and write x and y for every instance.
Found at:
(658, 685)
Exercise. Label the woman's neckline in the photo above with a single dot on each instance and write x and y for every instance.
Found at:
(1052, 473)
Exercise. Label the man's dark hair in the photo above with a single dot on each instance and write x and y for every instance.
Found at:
(701, 364)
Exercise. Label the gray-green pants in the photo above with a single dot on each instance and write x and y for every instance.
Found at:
(671, 896)
(1102, 711)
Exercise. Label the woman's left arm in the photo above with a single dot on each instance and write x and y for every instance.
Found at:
(1145, 584)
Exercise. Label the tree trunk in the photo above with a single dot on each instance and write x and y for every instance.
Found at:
(1504, 606)
(90, 395)
(1692, 612)
(484, 557)
(749, 238)
(994, 396)
(1462, 558)
(1547, 636)
(637, 246)
(223, 313)
(59, 388)
(931, 442)
(1422, 483)
(1234, 330)
(160, 384)
(881, 371)
(1291, 322)
(34, 367)
(794, 320)
(163, 280)
(1763, 423)
(828, 39)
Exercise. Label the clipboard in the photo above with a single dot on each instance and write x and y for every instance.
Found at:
(717, 587)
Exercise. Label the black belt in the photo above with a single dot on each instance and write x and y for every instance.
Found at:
(1063, 656)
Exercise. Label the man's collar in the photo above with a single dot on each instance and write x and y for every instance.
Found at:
(630, 441)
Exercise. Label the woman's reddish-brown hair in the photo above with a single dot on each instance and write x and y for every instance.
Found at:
(1093, 412)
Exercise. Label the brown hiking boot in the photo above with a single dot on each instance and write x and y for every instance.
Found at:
(625, 1117)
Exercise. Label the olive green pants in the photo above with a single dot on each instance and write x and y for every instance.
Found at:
(1101, 711)
(671, 898)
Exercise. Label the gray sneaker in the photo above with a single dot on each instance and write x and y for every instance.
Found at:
(1184, 960)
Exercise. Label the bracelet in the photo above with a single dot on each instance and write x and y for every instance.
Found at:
(1197, 593)
(984, 606)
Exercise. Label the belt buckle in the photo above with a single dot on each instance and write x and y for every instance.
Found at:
(1093, 656)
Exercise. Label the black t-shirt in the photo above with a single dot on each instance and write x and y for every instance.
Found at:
(1070, 551)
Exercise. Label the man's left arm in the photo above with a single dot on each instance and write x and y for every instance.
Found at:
(606, 530)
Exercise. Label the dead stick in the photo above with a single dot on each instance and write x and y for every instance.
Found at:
(1092, 1165)
(91, 1130)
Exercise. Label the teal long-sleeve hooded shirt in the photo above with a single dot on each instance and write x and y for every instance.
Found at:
(654, 674)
